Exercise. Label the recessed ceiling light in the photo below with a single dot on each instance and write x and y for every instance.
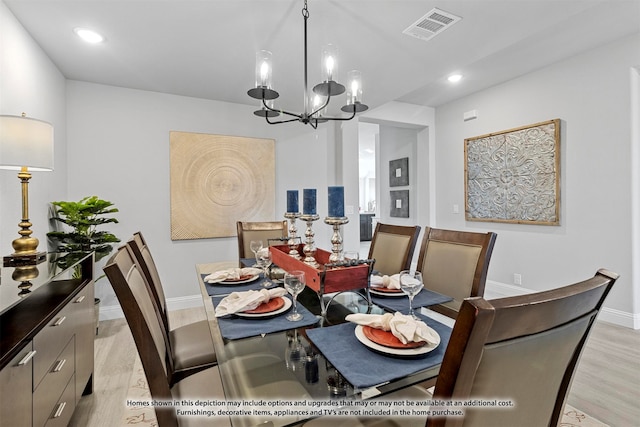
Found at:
(89, 36)
(455, 78)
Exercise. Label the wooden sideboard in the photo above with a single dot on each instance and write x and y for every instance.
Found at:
(47, 329)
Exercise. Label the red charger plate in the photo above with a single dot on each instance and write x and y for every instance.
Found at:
(267, 307)
(387, 339)
(387, 290)
(239, 279)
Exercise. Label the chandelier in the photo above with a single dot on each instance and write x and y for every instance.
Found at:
(314, 109)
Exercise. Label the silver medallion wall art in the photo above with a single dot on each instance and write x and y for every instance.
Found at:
(514, 176)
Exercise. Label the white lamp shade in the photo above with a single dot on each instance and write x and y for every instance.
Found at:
(25, 142)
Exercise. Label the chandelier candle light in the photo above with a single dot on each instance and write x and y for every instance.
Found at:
(292, 214)
(309, 216)
(314, 108)
(335, 219)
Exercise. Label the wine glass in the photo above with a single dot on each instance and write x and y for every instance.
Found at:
(263, 260)
(294, 284)
(411, 284)
(255, 246)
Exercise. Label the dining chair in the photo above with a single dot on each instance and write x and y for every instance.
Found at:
(265, 230)
(141, 313)
(392, 247)
(190, 345)
(522, 350)
(455, 263)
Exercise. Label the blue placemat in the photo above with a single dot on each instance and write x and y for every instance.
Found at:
(363, 367)
(234, 327)
(425, 298)
(221, 289)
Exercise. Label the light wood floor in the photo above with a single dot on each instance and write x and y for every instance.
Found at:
(606, 385)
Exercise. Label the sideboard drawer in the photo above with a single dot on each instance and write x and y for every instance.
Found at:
(50, 341)
(15, 390)
(64, 407)
(51, 388)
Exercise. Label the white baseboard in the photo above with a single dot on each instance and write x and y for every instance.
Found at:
(609, 315)
(115, 311)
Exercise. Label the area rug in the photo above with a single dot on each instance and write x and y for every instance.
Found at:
(139, 391)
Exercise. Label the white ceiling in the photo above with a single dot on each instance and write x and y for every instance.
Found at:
(207, 48)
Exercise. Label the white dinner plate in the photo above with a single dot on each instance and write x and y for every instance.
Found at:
(387, 294)
(237, 282)
(285, 307)
(406, 352)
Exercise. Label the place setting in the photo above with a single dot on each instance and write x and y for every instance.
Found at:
(371, 349)
(254, 312)
(391, 292)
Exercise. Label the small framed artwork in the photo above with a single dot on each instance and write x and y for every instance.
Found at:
(399, 203)
(514, 175)
(399, 172)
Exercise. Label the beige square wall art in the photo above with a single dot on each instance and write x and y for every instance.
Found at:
(217, 180)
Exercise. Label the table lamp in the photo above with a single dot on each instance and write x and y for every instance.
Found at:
(26, 145)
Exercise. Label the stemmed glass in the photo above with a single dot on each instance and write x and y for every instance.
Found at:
(255, 246)
(263, 260)
(294, 284)
(411, 284)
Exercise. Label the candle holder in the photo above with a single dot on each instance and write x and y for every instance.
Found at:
(310, 246)
(293, 233)
(336, 238)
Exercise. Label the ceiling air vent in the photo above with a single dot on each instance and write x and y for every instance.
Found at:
(431, 24)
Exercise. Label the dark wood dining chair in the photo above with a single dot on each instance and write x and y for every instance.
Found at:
(141, 313)
(455, 263)
(523, 350)
(190, 345)
(392, 247)
(265, 230)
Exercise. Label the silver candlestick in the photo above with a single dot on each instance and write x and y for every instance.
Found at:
(310, 246)
(336, 238)
(293, 234)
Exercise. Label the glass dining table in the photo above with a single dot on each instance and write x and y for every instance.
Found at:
(277, 372)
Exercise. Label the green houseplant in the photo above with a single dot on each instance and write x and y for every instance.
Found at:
(81, 235)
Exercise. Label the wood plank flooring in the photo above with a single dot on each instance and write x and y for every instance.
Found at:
(606, 385)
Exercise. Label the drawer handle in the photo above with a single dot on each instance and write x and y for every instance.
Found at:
(79, 300)
(27, 358)
(59, 365)
(59, 409)
(60, 320)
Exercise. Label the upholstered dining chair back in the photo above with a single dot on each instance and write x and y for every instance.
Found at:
(148, 267)
(522, 351)
(248, 231)
(455, 263)
(141, 314)
(190, 345)
(392, 247)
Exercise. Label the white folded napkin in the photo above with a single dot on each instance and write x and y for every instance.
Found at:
(402, 326)
(236, 302)
(231, 273)
(391, 282)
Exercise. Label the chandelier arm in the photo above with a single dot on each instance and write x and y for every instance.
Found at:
(264, 104)
(280, 121)
(353, 114)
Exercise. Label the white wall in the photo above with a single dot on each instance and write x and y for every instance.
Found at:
(119, 149)
(590, 93)
(30, 83)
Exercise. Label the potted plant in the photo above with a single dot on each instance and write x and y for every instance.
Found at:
(81, 235)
